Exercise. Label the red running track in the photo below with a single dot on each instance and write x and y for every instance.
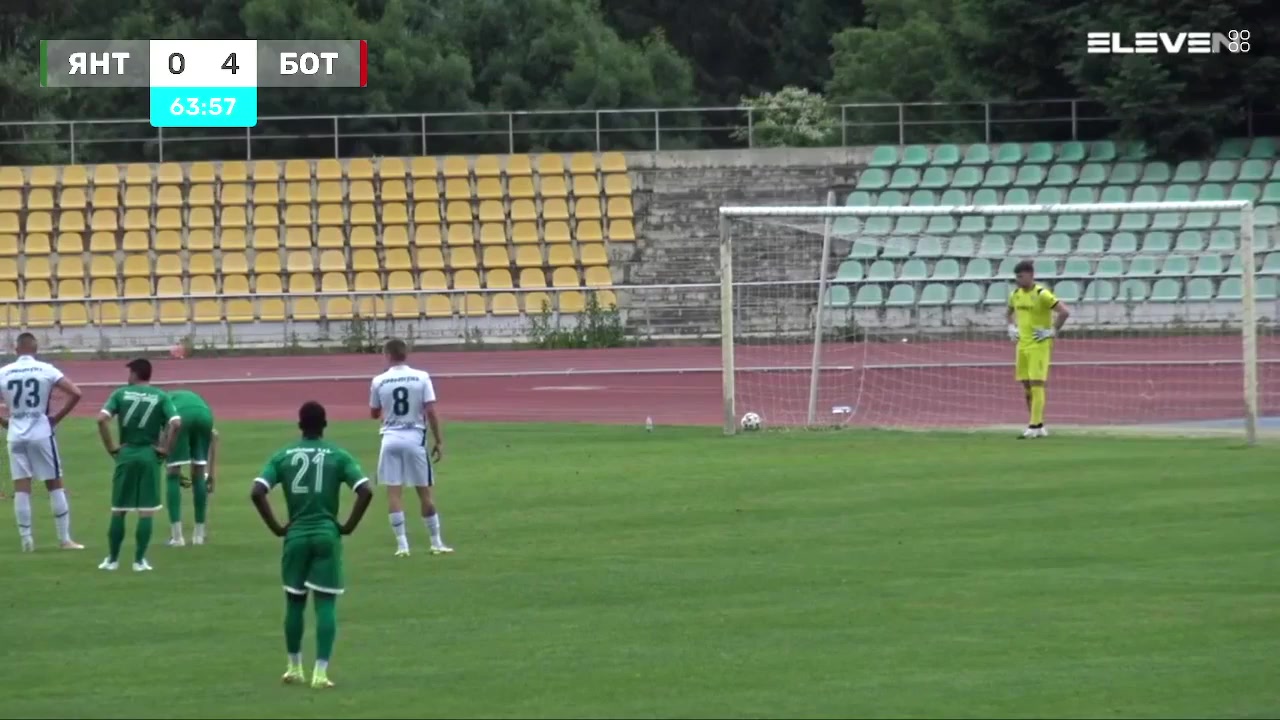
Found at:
(951, 383)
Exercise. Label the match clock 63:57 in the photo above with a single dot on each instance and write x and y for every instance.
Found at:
(211, 83)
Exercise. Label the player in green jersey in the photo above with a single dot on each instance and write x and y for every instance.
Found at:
(311, 471)
(196, 446)
(148, 424)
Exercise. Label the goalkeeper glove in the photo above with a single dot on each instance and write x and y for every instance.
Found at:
(1013, 333)
(1044, 334)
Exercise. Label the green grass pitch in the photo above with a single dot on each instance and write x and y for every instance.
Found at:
(603, 571)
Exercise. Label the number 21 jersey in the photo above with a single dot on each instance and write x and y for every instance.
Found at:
(400, 393)
(27, 384)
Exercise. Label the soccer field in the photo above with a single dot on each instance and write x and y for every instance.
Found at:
(603, 571)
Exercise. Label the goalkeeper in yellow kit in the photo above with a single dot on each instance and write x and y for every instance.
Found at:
(1035, 317)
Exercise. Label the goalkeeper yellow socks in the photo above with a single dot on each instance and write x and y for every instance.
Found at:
(1037, 405)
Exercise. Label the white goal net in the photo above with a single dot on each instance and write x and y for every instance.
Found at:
(895, 316)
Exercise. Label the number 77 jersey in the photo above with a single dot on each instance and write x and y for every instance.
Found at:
(142, 412)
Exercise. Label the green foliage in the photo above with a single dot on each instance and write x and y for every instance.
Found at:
(791, 117)
(595, 327)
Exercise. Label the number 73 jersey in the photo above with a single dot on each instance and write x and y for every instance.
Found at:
(27, 385)
(312, 473)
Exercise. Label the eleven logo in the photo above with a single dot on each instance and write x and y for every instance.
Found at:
(1149, 43)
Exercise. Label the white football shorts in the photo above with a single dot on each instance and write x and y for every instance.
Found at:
(403, 461)
(35, 459)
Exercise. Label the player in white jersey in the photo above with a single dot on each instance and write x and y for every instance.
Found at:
(27, 385)
(405, 401)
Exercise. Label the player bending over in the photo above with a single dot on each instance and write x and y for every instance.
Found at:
(196, 446)
(1035, 317)
(148, 424)
(311, 472)
(27, 385)
(404, 399)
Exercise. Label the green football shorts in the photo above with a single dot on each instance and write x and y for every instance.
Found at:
(312, 560)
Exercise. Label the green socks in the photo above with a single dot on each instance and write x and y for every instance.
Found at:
(173, 498)
(295, 607)
(326, 625)
(142, 537)
(199, 496)
(115, 536)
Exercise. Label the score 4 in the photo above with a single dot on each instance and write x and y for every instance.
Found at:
(204, 83)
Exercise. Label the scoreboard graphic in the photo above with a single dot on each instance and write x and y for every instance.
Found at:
(204, 83)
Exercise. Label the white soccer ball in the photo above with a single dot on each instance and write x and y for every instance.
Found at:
(751, 421)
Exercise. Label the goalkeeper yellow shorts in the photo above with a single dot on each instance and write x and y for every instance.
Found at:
(1033, 362)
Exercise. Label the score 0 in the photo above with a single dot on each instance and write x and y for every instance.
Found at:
(204, 83)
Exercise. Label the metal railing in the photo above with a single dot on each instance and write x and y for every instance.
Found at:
(632, 129)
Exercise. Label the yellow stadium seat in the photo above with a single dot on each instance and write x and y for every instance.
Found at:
(572, 302)
(333, 261)
(40, 315)
(134, 219)
(73, 315)
(606, 299)
(236, 171)
(423, 167)
(461, 234)
(103, 287)
(266, 263)
(398, 259)
(168, 196)
(36, 244)
(297, 193)
(528, 256)
(555, 209)
(268, 284)
(101, 242)
(368, 282)
(230, 239)
(74, 175)
(207, 311)
(564, 277)
(439, 306)
(139, 312)
(619, 208)
(593, 254)
(613, 162)
(106, 197)
(405, 306)
(457, 189)
(71, 266)
(265, 171)
(395, 236)
(305, 309)
(170, 174)
(36, 289)
(8, 269)
(499, 278)
(493, 234)
(488, 166)
(204, 285)
(462, 257)
(363, 214)
(589, 231)
(240, 311)
(138, 287)
(556, 232)
(550, 164)
(520, 187)
(391, 167)
(492, 211)
(271, 309)
(105, 175)
(430, 258)
(394, 214)
(426, 235)
(266, 240)
(360, 169)
(198, 240)
(72, 289)
(230, 217)
(169, 264)
(466, 280)
(42, 222)
(582, 164)
(37, 267)
(297, 216)
(8, 245)
(400, 280)
(266, 194)
(455, 166)
(330, 237)
(552, 186)
(41, 176)
(598, 277)
(394, 191)
(473, 305)
(331, 215)
(42, 199)
(137, 174)
(11, 200)
(426, 212)
(519, 165)
(106, 313)
(299, 261)
(363, 237)
(622, 231)
(328, 169)
(333, 282)
(199, 196)
(9, 223)
(360, 191)
(234, 263)
(266, 216)
(302, 284)
(329, 192)
(537, 303)
(489, 189)
(297, 170)
(524, 233)
(169, 287)
(338, 309)
(135, 241)
(201, 263)
(495, 257)
(504, 304)
(434, 280)
(104, 220)
(617, 186)
(365, 260)
(198, 217)
(587, 208)
(201, 172)
(297, 238)
(237, 285)
(234, 194)
(11, 177)
(102, 266)
(426, 189)
(560, 256)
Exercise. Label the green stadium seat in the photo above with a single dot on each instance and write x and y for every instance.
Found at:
(1082, 195)
(1189, 241)
(1053, 196)
(1067, 290)
(1026, 245)
(1133, 151)
(846, 226)
(1134, 222)
(1264, 216)
(997, 294)
(1091, 244)
(1145, 193)
(1275, 172)
(1246, 191)
(1166, 221)
(1102, 151)
(929, 247)
(890, 198)
(1199, 221)
(873, 179)
(1046, 267)
(1141, 266)
(922, 198)
(1166, 290)
(1211, 192)
(1231, 289)
(1100, 291)
(1017, 196)
(904, 179)
(880, 271)
(1060, 175)
(998, 176)
(1236, 266)
(1270, 264)
(1101, 222)
(1123, 243)
(967, 293)
(967, 178)
(993, 246)
(986, 196)
(1253, 171)
(1076, 268)
(1068, 223)
(1125, 173)
(935, 294)
(838, 296)
(935, 178)
(1222, 241)
(978, 269)
(941, 225)
(1263, 148)
(849, 271)
(909, 225)
(1071, 152)
(1057, 244)
(945, 269)
(1222, 171)
(1092, 174)
(884, 156)
(1157, 243)
(1156, 173)
(953, 197)
(1009, 154)
(960, 246)
(1177, 193)
(946, 155)
(977, 154)
(1114, 194)
(869, 296)
(972, 224)
(1189, 171)
(1208, 265)
(859, 198)
(1199, 290)
(878, 225)
(915, 156)
(1005, 224)
(913, 270)
(1232, 149)
(1110, 266)
(1176, 266)
(897, 248)
(1037, 223)
(863, 250)
(1266, 288)
(1040, 152)
(901, 296)
(1134, 290)
(1005, 270)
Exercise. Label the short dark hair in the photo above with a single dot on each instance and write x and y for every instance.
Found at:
(1024, 266)
(397, 349)
(26, 338)
(312, 419)
(141, 368)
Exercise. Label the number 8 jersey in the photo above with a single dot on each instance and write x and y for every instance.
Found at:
(27, 384)
(400, 393)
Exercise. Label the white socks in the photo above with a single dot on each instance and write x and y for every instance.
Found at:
(295, 660)
(433, 527)
(197, 534)
(397, 527)
(61, 513)
(175, 531)
(22, 511)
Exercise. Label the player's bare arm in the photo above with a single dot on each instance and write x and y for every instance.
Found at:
(104, 432)
(258, 495)
(364, 496)
(1060, 314)
(170, 436)
(437, 435)
(73, 394)
(213, 456)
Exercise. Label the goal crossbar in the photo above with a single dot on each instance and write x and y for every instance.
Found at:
(831, 211)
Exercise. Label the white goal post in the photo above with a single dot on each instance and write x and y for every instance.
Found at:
(920, 359)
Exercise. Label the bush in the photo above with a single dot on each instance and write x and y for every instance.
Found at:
(596, 327)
